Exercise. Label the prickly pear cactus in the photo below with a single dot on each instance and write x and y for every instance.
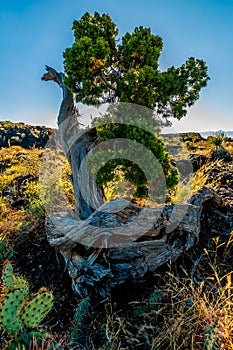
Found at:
(37, 309)
(16, 309)
(7, 276)
(10, 311)
(10, 282)
(22, 284)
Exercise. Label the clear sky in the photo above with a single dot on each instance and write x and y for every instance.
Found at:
(35, 33)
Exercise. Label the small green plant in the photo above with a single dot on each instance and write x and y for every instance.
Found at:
(25, 340)
(55, 187)
(6, 251)
(80, 313)
(154, 299)
(37, 341)
(31, 193)
(210, 338)
(20, 310)
(217, 141)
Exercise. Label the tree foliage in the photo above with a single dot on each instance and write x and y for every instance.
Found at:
(100, 68)
(131, 157)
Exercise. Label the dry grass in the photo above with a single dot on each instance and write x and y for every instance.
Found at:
(184, 314)
(204, 176)
(229, 147)
(185, 189)
(11, 221)
(188, 314)
(49, 343)
(191, 316)
(19, 173)
(199, 317)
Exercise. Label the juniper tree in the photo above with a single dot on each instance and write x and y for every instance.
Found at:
(101, 68)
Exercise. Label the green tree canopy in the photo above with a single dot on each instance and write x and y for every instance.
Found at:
(100, 68)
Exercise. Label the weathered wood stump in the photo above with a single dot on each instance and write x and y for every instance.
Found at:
(120, 240)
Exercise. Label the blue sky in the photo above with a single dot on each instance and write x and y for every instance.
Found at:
(35, 33)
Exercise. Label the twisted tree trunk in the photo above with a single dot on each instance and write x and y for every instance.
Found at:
(119, 240)
(76, 145)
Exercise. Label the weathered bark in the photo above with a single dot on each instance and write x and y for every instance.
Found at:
(123, 254)
(128, 259)
(119, 241)
(76, 144)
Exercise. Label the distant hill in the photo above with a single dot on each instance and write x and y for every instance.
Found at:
(205, 134)
(28, 136)
(200, 134)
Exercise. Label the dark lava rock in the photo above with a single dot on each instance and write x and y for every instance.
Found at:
(26, 136)
(197, 161)
(221, 154)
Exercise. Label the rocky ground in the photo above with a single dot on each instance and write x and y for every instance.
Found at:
(26, 136)
(35, 259)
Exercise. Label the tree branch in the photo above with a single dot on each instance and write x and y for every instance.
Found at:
(107, 82)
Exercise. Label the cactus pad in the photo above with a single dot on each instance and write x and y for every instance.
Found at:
(11, 282)
(7, 276)
(37, 309)
(22, 284)
(15, 309)
(10, 311)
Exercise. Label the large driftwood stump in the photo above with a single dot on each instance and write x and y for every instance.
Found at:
(118, 241)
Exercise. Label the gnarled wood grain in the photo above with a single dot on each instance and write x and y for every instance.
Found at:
(76, 145)
(118, 241)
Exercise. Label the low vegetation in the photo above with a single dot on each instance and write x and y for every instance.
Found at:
(186, 305)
